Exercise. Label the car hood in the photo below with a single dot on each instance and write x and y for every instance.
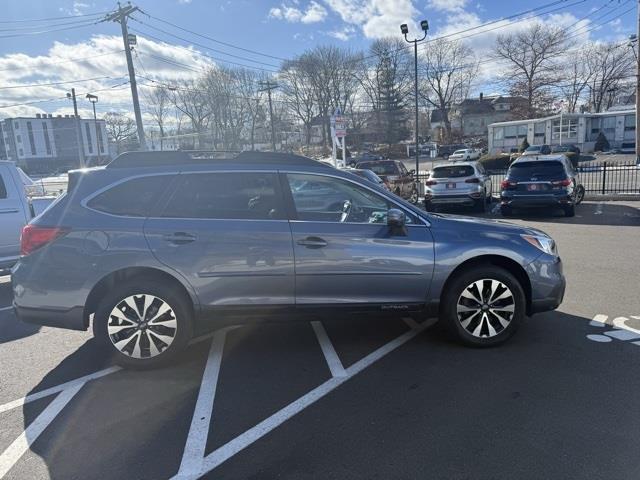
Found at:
(485, 225)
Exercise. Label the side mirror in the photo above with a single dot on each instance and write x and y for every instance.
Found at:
(396, 219)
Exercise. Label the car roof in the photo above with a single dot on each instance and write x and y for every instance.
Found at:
(456, 164)
(534, 158)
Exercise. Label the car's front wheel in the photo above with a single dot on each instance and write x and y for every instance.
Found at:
(143, 323)
(483, 306)
(413, 198)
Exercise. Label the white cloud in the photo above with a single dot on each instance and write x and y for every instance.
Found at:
(377, 18)
(343, 34)
(313, 14)
(103, 58)
(77, 8)
(447, 5)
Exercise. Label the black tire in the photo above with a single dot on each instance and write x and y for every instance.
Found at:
(579, 195)
(414, 198)
(178, 315)
(479, 205)
(428, 206)
(506, 211)
(570, 211)
(486, 274)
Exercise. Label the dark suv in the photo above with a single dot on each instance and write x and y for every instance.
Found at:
(395, 175)
(159, 246)
(542, 181)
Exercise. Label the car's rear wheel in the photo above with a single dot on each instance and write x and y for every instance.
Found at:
(483, 306)
(144, 324)
(480, 205)
(579, 195)
(570, 211)
(506, 211)
(413, 198)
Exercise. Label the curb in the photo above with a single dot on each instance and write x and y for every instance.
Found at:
(612, 196)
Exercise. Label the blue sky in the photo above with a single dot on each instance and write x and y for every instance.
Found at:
(282, 28)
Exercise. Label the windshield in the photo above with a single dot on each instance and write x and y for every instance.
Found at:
(534, 148)
(453, 171)
(561, 148)
(459, 152)
(380, 168)
(541, 170)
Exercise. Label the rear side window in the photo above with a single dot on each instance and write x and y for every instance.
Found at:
(132, 198)
(227, 196)
(453, 171)
(3, 189)
(540, 170)
(380, 168)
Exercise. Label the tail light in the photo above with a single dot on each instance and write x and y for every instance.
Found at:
(34, 237)
(507, 184)
(472, 180)
(562, 183)
(430, 183)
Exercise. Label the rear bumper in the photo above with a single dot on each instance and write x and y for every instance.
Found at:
(532, 201)
(71, 319)
(464, 199)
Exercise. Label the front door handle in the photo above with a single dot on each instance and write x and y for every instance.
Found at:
(9, 210)
(312, 242)
(180, 238)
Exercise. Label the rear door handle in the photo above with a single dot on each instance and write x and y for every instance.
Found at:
(312, 242)
(9, 210)
(180, 238)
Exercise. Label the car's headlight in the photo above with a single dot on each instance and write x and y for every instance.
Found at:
(546, 244)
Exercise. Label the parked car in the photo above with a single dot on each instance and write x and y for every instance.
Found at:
(159, 246)
(363, 157)
(395, 175)
(465, 154)
(537, 150)
(445, 150)
(570, 151)
(465, 183)
(16, 209)
(369, 175)
(543, 181)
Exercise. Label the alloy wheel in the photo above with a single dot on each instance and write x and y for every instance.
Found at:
(414, 197)
(485, 308)
(142, 326)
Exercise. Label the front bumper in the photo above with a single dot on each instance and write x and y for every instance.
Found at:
(548, 283)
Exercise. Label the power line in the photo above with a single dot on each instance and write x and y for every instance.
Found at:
(15, 35)
(60, 83)
(204, 46)
(215, 40)
(193, 52)
(112, 88)
(74, 60)
(33, 20)
(34, 27)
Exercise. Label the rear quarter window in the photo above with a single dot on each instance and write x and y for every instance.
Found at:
(3, 189)
(131, 198)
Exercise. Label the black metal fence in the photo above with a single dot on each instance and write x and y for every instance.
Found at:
(597, 177)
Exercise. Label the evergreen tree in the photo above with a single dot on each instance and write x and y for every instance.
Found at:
(602, 144)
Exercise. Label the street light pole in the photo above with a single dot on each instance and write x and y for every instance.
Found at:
(76, 119)
(94, 99)
(405, 31)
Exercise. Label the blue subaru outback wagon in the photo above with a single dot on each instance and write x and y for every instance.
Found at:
(158, 246)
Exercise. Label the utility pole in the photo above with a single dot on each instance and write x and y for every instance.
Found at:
(638, 85)
(267, 86)
(72, 96)
(121, 16)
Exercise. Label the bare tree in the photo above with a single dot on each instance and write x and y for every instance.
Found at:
(299, 93)
(157, 100)
(533, 66)
(577, 73)
(448, 69)
(611, 65)
(120, 128)
(190, 98)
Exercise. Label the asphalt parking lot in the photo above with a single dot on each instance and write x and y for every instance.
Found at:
(354, 397)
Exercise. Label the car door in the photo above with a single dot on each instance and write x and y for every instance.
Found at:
(227, 233)
(13, 217)
(344, 251)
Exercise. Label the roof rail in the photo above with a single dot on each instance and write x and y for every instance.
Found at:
(165, 158)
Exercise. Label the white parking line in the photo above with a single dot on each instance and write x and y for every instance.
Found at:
(4, 309)
(330, 354)
(599, 208)
(21, 444)
(193, 455)
(241, 442)
(58, 388)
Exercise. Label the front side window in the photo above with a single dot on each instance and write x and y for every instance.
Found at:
(227, 196)
(3, 189)
(318, 198)
(380, 168)
(132, 198)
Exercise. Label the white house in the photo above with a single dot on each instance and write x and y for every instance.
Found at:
(580, 129)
